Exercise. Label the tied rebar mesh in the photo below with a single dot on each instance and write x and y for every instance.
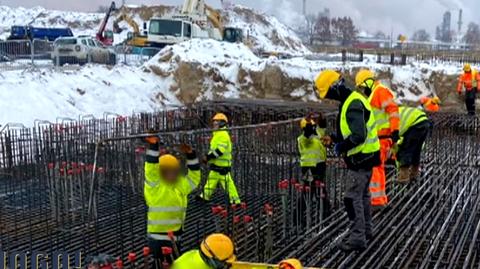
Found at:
(78, 185)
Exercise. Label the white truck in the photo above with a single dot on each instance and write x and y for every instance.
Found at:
(191, 22)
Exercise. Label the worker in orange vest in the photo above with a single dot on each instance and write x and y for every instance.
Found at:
(430, 104)
(470, 81)
(387, 118)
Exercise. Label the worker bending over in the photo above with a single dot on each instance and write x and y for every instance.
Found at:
(414, 129)
(357, 141)
(216, 252)
(469, 81)
(313, 156)
(219, 159)
(166, 193)
(386, 113)
(430, 104)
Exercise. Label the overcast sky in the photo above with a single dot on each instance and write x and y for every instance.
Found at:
(403, 16)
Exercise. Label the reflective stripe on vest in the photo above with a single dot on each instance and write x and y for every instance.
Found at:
(224, 160)
(382, 118)
(371, 144)
(410, 116)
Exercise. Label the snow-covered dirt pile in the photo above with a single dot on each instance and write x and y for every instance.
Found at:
(48, 94)
(264, 32)
(207, 69)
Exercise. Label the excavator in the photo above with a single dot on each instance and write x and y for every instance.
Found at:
(135, 38)
(229, 34)
(106, 36)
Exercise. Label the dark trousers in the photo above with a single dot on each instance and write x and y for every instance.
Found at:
(156, 250)
(470, 101)
(318, 174)
(357, 205)
(410, 151)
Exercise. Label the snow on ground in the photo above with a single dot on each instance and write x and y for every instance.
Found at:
(48, 94)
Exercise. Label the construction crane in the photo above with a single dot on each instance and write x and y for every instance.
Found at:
(104, 36)
(135, 38)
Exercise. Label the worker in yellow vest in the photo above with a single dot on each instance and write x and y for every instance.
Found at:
(166, 193)
(357, 142)
(219, 159)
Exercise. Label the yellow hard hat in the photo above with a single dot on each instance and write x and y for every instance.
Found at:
(362, 76)
(467, 68)
(220, 116)
(304, 122)
(290, 264)
(168, 161)
(325, 80)
(436, 100)
(219, 247)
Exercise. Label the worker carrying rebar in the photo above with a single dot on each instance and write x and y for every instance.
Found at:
(430, 104)
(166, 193)
(470, 81)
(219, 159)
(313, 155)
(216, 251)
(357, 141)
(386, 113)
(414, 129)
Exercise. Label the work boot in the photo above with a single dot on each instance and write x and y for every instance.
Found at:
(414, 172)
(348, 246)
(404, 175)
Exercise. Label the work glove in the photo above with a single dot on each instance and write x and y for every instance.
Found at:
(186, 149)
(395, 136)
(152, 140)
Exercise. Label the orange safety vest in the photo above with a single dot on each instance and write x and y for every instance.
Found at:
(469, 81)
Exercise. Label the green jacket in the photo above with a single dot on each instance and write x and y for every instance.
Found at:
(190, 260)
(167, 203)
(221, 148)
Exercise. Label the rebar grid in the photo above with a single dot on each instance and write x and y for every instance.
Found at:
(50, 201)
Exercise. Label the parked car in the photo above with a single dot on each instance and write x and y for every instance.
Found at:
(81, 50)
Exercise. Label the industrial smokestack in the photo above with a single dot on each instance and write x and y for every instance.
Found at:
(460, 21)
(304, 7)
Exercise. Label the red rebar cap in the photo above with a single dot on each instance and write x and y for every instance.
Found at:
(100, 170)
(234, 207)
(283, 185)
(132, 256)
(319, 184)
(167, 251)
(51, 165)
(216, 209)
(307, 189)
(224, 213)
(243, 205)
(247, 219)
(293, 181)
(119, 263)
(146, 251)
(236, 219)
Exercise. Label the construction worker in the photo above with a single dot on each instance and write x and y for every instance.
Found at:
(357, 141)
(385, 110)
(430, 104)
(414, 129)
(217, 251)
(313, 156)
(469, 81)
(219, 159)
(166, 195)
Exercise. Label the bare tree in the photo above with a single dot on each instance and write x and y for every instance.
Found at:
(323, 32)
(421, 35)
(311, 19)
(344, 30)
(472, 36)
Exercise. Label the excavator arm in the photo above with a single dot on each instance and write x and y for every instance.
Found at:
(103, 25)
(129, 20)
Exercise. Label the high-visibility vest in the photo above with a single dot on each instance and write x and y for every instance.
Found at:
(190, 260)
(312, 151)
(410, 116)
(167, 203)
(221, 141)
(371, 144)
(382, 118)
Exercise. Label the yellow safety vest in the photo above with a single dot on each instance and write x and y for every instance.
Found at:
(371, 144)
(410, 116)
(221, 141)
(167, 203)
(312, 151)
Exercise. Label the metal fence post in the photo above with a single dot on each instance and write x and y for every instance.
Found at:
(32, 50)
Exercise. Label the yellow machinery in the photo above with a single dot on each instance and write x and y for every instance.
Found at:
(229, 34)
(134, 38)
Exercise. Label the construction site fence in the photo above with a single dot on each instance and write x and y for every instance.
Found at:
(78, 184)
(24, 54)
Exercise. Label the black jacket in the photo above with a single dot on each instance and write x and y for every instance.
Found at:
(357, 118)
